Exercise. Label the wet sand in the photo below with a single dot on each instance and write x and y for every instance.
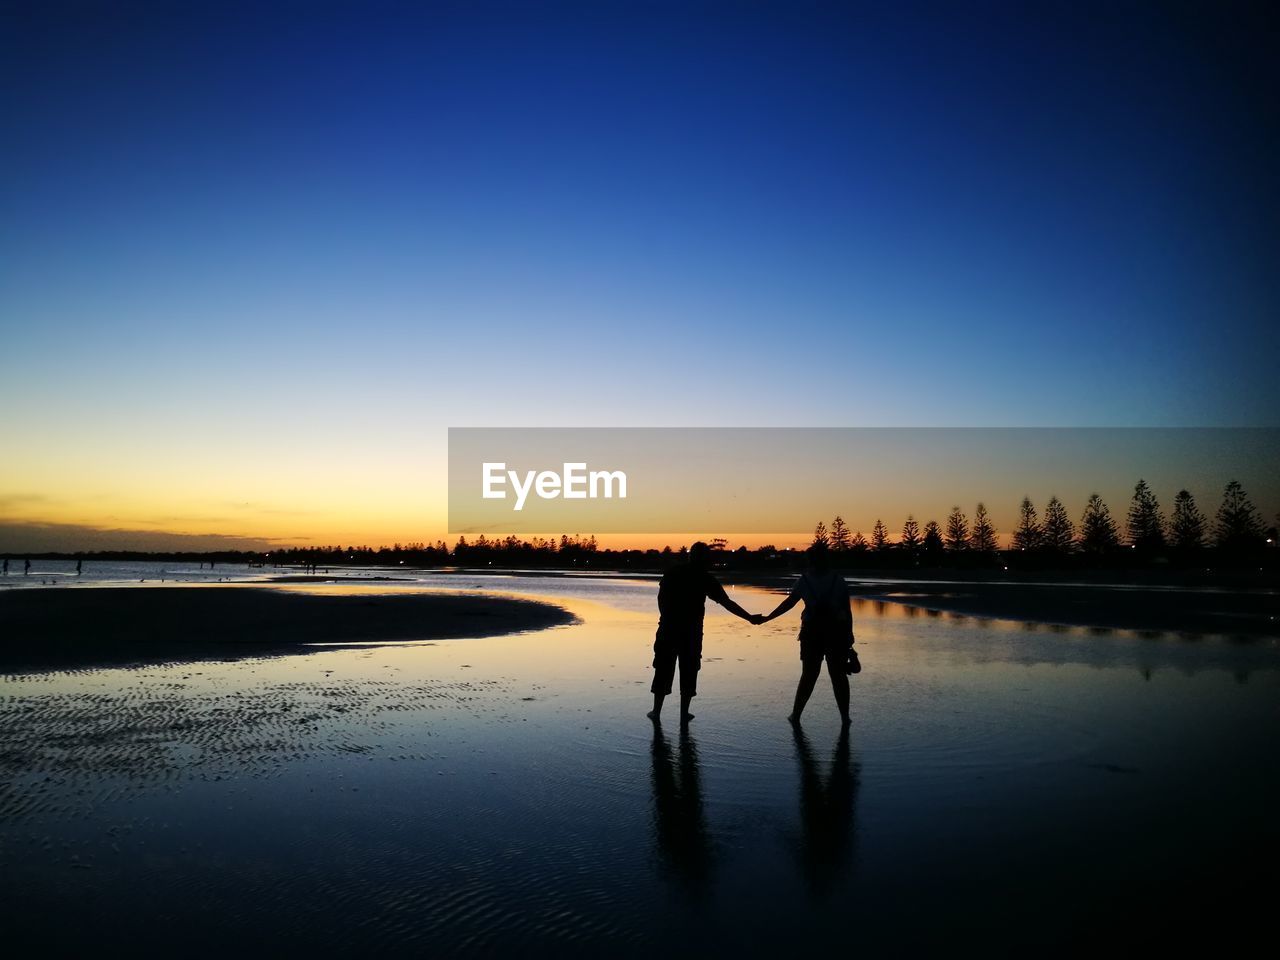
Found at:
(119, 625)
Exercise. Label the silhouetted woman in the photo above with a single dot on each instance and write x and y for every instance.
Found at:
(826, 630)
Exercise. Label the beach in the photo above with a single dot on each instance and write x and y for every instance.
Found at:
(505, 793)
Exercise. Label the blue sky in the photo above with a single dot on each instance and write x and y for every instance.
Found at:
(423, 215)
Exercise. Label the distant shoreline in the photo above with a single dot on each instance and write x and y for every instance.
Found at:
(102, 626)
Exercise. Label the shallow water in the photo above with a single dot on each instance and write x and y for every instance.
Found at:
(1025, 787)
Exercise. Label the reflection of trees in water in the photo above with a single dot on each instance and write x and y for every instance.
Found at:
(680, 826)
(1240, 674)
(826, 814)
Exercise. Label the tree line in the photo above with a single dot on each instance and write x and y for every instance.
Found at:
(1237, 534)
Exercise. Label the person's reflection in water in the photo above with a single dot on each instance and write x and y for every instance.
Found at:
(826, 814)
(680, 828)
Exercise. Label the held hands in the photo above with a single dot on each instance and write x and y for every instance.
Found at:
(758, 618)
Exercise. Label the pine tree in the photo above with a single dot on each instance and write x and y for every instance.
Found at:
(820, 534)
(839, 535)
(1027, 536)
(1059, 533)
(983, 538)
(933, 546)
(911, 534)
(880, 537)
(859, 543)
(1097, 529)
(957, 538)
(1238, 526)
(1186, 526)
(1145, 524)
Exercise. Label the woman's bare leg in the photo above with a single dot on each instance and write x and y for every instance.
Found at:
(840, 684)
(808, 677)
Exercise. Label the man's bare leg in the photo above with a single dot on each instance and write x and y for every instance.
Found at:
(685, 700)
(656, 712)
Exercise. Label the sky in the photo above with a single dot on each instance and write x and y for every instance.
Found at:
(256, 259)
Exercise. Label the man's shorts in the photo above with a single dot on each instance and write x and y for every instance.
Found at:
(669, 648)
(821, 641)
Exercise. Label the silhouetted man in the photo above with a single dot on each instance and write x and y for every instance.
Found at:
(681, 606)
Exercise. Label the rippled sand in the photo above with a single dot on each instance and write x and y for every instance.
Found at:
(507, 793)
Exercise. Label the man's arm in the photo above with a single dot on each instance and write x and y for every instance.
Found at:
(662, 595)
(716, 592)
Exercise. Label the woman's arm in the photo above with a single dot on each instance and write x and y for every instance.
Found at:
(788, 602)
